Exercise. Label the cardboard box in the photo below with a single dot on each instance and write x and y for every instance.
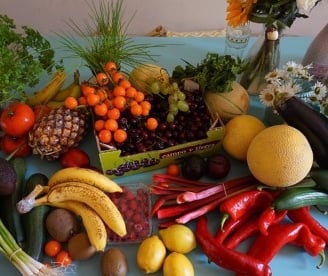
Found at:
(114, 165)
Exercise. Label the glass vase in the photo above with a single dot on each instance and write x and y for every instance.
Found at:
(263, 58)
(237, 40)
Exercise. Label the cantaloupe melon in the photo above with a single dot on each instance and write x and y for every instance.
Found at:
(228, 104)
(280, 156)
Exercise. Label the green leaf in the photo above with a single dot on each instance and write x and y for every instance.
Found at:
(24, 55)
(214, 73)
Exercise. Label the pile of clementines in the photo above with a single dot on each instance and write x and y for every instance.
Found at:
(109, 94)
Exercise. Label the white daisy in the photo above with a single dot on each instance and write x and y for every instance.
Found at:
(283, 84)
(267, 96)
(290, 66)
(319, 91)
(274, 76)
(290, 89)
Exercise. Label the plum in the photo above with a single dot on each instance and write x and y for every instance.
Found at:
(217, 166)
(193, 167)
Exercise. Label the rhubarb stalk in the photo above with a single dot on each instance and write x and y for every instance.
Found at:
(180, 200)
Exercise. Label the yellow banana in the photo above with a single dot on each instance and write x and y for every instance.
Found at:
(55, 104)
(84, 175)
(73, 89)
(94, 198)
(93, 224)
(49, 91)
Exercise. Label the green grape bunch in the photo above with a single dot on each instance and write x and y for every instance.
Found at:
(175, 97)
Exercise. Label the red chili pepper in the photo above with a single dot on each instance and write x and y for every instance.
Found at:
(247, 230)
(227, 258)
(282, 234)
(246, 202)
(303, 215)
(269, 216)
(250, 228)
(229, 227)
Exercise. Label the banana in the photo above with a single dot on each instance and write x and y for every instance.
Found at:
(93, 224)
(94, 198)
(49, 91)
(55, 104)
(73, 89)
(84, 175)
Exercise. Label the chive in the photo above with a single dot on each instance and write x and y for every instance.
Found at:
(104, 39)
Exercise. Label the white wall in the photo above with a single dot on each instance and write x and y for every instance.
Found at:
(49, 16)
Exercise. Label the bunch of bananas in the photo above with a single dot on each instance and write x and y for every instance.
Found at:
(52, 94)
(82, 191)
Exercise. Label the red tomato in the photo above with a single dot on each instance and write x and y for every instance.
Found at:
(17, 119)
(10, 143)
(52, 248)
(75, 157)
(63, 258)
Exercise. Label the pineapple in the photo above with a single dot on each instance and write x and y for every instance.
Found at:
(58, 131)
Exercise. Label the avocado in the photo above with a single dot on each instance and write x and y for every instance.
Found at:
(8, 177)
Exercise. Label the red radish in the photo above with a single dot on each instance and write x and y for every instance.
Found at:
(75, 157)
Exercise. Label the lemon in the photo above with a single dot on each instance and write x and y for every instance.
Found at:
(280, 156)
(239, 132)
(151, 254)
(178, 238)
(177, 264)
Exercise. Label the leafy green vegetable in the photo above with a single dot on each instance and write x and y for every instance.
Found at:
(215, 73)
(24, 55)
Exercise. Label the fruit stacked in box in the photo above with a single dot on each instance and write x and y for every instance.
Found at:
(146, 118)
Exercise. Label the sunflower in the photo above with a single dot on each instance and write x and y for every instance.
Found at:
(238, 11)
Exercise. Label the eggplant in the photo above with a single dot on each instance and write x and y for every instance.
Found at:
(312, 123)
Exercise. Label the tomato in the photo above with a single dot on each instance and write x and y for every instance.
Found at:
(75, 157)
(17, 119)
(52, 248)
(10, 143)
(63, 258)
(173, 170)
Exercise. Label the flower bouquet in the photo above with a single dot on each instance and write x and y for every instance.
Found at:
(275, 15)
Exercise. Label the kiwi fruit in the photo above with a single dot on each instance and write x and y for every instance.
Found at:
(80, 248)
(62, 224)
(114, 263)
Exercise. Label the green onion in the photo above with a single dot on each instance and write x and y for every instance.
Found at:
(24, 263)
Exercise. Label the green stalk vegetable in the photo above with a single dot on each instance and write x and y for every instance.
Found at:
(105, 38)
(24, 263)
